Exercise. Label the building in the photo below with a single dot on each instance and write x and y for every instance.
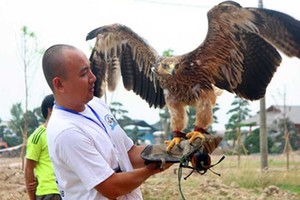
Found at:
(273, 116)
(140, 132)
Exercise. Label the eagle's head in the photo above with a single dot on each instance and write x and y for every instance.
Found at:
(168, 66)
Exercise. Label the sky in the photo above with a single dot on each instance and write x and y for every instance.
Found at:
(165, 24)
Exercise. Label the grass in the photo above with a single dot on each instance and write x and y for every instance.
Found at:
(236, 181)
(248, 173)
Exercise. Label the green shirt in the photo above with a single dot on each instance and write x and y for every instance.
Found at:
(37, 150)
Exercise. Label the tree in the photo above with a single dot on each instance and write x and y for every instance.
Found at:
(279, 141)
(252, 142)
(239, 112)
(2, 130)
(192, 118)
(30, 53)
(17, 122)
(165, 118)
(215, 118)
(38, 114)
(2, 127)
(120, 114)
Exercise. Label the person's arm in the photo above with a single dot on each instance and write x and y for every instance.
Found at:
(30, 180)
(134, 156)
(122, 183)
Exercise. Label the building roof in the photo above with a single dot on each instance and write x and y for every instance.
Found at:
(141, 124)
(275, 113)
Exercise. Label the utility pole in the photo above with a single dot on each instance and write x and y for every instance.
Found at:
(286, 133)
(263, 126)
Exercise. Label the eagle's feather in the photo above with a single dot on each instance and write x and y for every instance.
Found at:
(238, 54)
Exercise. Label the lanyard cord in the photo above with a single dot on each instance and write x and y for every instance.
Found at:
(101, 125)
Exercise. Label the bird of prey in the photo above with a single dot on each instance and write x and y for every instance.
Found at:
(239, 54)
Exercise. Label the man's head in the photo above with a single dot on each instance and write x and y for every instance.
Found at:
(54, 61)
(67, 71)
(47, 105)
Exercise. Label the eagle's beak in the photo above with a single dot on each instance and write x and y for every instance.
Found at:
(172, 69)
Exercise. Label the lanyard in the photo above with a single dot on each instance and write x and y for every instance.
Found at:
(101, 125)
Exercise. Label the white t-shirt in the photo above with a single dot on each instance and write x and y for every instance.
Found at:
(84, 153)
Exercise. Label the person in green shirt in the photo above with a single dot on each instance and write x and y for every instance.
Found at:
(39, 174)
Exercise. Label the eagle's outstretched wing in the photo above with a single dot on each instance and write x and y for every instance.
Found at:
(120, 51)
(239, 53)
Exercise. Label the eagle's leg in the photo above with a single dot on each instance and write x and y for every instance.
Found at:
(204, 115)
(178, 122)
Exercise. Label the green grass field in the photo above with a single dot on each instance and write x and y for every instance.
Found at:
(249, 175)
(243, 181)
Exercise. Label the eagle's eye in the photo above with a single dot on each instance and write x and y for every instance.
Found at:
(165, 66)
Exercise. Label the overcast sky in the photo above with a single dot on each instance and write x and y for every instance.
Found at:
(174, 24)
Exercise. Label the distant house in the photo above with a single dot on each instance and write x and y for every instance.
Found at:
(274, 114)
(140, 132)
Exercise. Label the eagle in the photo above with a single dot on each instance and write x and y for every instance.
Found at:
(239, 54)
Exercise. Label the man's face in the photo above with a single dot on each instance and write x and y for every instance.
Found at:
(79, 82)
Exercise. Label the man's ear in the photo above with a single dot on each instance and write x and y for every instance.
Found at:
(57, 83)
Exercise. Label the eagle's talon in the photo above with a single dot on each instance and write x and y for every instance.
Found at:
(194, 135)
(172, 143)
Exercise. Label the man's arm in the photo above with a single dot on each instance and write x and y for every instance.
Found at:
(135, 156)
(122, 183)
(30, 178)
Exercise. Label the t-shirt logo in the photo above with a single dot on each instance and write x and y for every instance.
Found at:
(110, 120)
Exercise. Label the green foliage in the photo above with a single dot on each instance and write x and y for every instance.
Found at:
(38, 113)
(117, 110)
(238, 113)
(248, 175)
(33, 122)
(279, 138)
(168, 53)
(31, 51)
(252, 142)
(191, 112)
(2, 128)
(11, 139)
(120, 113)
(15, 124)
(165, 118)
(192, 117)
(215, 109)
(13, 134)
(290, 187)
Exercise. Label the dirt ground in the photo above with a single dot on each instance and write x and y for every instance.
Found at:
(162, 186)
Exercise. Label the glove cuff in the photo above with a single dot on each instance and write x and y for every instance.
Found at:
(201, 130)
(179, 134)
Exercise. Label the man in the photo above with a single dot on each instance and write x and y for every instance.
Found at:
(38, 163)
(93, 157)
